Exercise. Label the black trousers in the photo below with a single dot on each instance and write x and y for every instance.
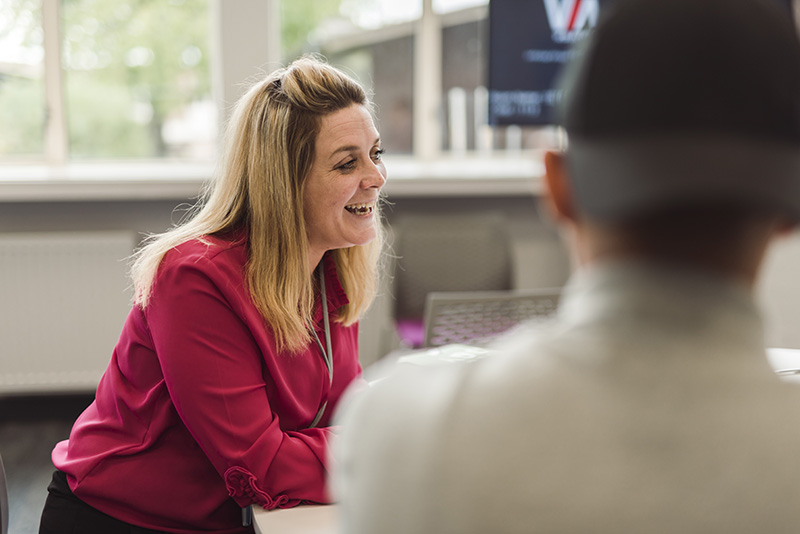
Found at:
(64, 513)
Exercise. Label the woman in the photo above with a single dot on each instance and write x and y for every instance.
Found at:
(243, 334)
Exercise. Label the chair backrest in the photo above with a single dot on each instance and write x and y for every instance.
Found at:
(3, 500)
(449, 252)
(478, 317)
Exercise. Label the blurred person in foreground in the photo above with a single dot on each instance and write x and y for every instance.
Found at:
(648, 405)
(244, 334)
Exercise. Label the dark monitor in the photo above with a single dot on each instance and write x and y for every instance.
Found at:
(529, 43)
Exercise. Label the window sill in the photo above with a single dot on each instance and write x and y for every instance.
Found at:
(470, 175)
(102, 182)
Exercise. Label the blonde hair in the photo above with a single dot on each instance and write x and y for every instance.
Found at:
(268, 152)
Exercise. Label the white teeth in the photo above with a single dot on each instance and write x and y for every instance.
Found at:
(361, 209)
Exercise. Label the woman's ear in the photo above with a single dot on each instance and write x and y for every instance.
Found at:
(558, 194)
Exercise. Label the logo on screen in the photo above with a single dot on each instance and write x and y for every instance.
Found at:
(571, 19)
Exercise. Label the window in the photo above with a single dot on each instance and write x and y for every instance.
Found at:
(133, 80)
(137, 78)
(99, 80)
(447, 6)
(380, 40)
(22, 97)
(373, 40)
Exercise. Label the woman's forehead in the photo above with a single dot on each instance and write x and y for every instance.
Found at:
(350, 125)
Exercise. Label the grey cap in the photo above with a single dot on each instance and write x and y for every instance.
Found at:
(673, 102)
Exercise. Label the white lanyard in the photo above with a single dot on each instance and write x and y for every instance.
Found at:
(327, 356)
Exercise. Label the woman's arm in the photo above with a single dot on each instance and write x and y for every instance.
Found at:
(214, 372)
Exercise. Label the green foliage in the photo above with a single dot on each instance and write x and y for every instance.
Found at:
(22, 115)
(129, 65)
(21, 94)
(22, 15)
(105, 128)
(143, 59)
(298, 19)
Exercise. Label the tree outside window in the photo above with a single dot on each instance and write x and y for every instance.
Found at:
(137, 80)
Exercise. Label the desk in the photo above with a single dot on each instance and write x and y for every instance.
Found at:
(309, 519)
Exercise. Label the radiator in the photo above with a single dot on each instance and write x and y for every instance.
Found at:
(63, 300)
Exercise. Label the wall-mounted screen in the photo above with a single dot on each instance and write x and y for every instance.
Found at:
(529, 43)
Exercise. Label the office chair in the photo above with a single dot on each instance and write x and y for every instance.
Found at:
(3, 500)
(477, 318)
(446, 252)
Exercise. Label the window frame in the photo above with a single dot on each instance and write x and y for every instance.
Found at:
(55, 126)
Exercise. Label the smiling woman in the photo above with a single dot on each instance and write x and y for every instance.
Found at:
(243, 336)
(345, 179)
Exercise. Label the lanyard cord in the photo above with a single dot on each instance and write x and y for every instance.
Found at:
(327, 356)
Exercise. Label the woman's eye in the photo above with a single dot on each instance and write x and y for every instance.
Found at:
(349, 165)
(378, 154)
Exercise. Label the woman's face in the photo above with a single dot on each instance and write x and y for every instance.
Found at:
(342, 187)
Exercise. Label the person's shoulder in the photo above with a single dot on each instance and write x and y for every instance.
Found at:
(408, 393)
(405, 395)
(415, 396)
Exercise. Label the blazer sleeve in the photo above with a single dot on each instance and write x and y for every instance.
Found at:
(213, 370)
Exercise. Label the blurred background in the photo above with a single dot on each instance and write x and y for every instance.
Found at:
(110, 114)
(103, 79)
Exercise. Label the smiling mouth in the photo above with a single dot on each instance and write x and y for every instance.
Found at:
(364, 208)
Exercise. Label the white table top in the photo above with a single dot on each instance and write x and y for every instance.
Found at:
(309, 519)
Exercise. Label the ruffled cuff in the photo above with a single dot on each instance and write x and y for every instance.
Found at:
(241, 485)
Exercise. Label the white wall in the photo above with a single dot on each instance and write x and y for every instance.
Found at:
(539, 257)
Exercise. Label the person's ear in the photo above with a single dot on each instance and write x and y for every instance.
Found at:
(558, 194)
(786, 227)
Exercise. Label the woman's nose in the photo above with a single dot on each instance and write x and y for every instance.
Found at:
(375, 177)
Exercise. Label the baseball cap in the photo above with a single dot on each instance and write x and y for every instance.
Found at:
(672, 102)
